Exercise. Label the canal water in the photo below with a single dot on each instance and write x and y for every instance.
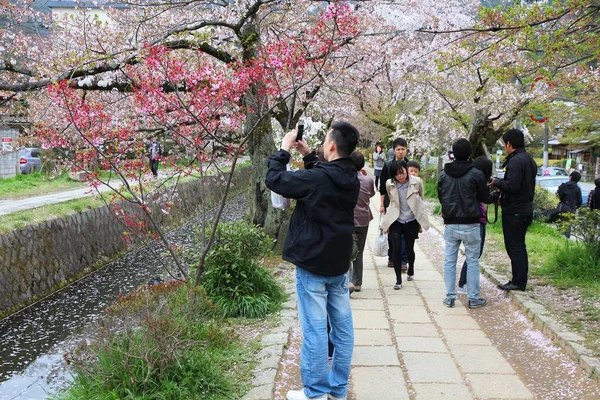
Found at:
(34, 340)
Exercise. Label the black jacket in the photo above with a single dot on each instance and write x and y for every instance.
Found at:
(460, 189)
(569, 194)
(319, 239)
(518, 184)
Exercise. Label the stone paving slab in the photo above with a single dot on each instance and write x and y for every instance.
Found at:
(466, 336)
(450, 391)
(367, 304)
(431, 368)
(405, 301)
(367, 319)
(372, 337)
(403, 329)
(496, 386)
(411, 314)
(480, 359)
(455, 321)
(371, 383)
(375, 355)
(422, 344)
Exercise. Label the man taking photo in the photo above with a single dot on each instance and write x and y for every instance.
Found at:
(319, 243)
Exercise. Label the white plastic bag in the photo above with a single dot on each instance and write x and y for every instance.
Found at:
(279, 201)
(380, 246)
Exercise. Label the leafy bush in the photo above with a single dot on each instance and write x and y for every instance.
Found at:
(234, 279)
(543, 200)
(171, 350)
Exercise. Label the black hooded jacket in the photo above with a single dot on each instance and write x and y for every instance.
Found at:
(460, 189)
(569, 194)
(319, 239)
(518, 184)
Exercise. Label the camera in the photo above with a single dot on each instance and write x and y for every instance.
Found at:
(300, 132)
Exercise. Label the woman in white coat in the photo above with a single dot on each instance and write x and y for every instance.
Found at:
(404, 217)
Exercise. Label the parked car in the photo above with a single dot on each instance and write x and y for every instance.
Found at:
(551, 184)
(552, 171)
(29, 160)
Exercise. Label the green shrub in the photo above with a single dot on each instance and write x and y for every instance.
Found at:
(233, 277)
(543, 200)
(573, 264)
(431, 189)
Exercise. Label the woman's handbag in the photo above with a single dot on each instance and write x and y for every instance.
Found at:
(380, 246)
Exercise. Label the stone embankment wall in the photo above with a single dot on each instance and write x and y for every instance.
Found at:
(40, 259)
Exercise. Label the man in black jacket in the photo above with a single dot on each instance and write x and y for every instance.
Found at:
(569, 193)
(461, 188)
(319, 243)
(517, 190)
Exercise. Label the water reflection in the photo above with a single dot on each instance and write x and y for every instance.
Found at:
(40, 332)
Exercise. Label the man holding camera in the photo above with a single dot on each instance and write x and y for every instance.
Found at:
(319, 243)
(517, 189)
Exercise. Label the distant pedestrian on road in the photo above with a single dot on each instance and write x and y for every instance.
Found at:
(319, 243)
(379, 160)
(362, 217)
(404, 217)
(485, 165)
(594, 197)
(517, 189)
(154, 153)
(461, 187)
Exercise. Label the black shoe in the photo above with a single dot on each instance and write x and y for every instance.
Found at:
(477, 303)
(510, 286)
(449, 303)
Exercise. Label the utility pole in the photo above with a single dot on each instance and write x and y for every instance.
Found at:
(546, 134)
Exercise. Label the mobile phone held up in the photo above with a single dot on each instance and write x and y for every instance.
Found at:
(300, 132)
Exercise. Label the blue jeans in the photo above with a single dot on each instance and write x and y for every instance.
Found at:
(318, 298)
(470, 236)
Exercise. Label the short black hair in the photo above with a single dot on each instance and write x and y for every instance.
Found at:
(399, 142)
(461, 149)
(575, 176)
(358, 159)
(395, 166)
(597, 182)
(345, 136)
(515, 137)
(413, 164)
(485, 165)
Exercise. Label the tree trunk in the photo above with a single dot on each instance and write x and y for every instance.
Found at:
(483, 136)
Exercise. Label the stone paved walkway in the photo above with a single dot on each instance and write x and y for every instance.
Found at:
(407, 341)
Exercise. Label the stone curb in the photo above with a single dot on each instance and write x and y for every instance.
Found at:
(273, 345)
(571, 342)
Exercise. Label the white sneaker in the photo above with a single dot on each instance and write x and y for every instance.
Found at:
(330, 397)
(299, 395)
(461, 289)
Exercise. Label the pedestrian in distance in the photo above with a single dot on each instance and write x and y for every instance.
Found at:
(404, 217)
(154, 152)
(570, 199)
(593, 202)
(400, 149)
(362, 217)
(485, 165)
(461, 188)
(319, 243)
(379, 159)
(517, 189)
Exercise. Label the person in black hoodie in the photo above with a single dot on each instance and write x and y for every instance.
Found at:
(570, 197)
(461, 188)
(517, 189)
(319, 243)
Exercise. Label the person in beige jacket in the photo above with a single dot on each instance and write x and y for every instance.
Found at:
(405, 217)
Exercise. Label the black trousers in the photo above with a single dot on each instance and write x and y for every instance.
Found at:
(514, 228)
(409, 232)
